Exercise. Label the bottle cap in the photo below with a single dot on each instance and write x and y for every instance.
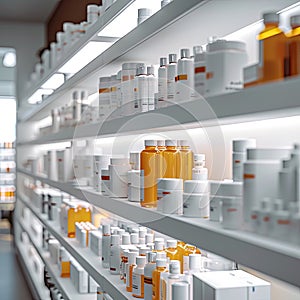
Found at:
(115, 239)
(75, 95)
(159, 245)
(271, 17)
(92, 8)
(194, 261)
(144, 12)
(144, 250)
(134, 238)
(106, 229)
(150, 70)
(197, 50)
(120, 231)
(171, 243)
(163, 61)
(150, 143)
(131, 257)
(161, 262)
(174, 267)
(126, 239)
(151, 256)
(196, 186)
(221, 188)
(161, 255)
(265, 204)
(180, 290)
(149, 238)
(199, 157)
(169, 184)
(220, 45)
(277, 204)
(172, 143)
(141, 70)
(241, 145)
(185, 53)
(172, 58)
(142, 232)
(140, 261)
(160, 143)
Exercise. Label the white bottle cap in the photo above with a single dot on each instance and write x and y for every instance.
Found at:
(134, 238)
(169, 184)
(174, 267)
(161, 262)
(141, 70)
(161, 255)
(131, 257)
(119, 161)
(171, 143)
(142, 232)
(222, 188)
(180, 290)
(241, 145)
(151, 256)
(199, 157)
(144, 250)
(271, 17)
(149, 238)
(150, 143)
(185, 53)
(141, 261)
(277, 204)
(163, 61)
(172, 58)
(158, 239)
(196, 186)
(120, 231)
(160, 143)
(144, 12)
(106, 229)
(126, 239)
(150, 70)
(115, 239)
(171, 243)
(93, 8)
(194, 261)
(159, 245)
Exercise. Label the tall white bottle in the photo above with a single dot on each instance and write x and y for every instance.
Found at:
(171, 77)
(162, 83)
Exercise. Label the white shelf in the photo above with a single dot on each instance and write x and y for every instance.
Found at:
(277, 259)
(90, 35)
(88, 260)
(41, 291)
(64, 285)
(157, 37)
(260, 102)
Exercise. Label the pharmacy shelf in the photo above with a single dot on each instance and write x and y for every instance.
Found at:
(90, 35)
(278, 259)
(65, 285)
(158, 36)
(242, 106)
(39, 290)
(88, 260)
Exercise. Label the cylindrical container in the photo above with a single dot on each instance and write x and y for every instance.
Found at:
(105, 182)
(64, 162)
(114, 259)
(92, 13)
(239, 156)
(118, 170)
(185, 77)
(104, 97)
(200, 71)
(143, 14)
(53, 54)
(105, 245)
(263, 223)
(134, 160)
(199, 172)
(196, 199)
(134, 185)
(280, 221)
(171, 191)
(99, 293)
(115, 84)
(260, 180)
(152, 83)
(295, 223)
(225, 61)
(100, 162)
(171, 77)
(180, 290)
(215, 201)
(76, 107)
(46, 60)
(162, 83)
(138, 277)
(52, 165)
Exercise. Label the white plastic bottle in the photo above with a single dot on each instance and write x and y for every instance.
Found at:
(114, 259)
(138, 277)
(200, 70)
(180, 291)
(162, 83)
(141, 90)
(129, 268)
(171, 75)
(149, 268)
(105, 245)
(199, 171)
(151, 87)
(185, 77)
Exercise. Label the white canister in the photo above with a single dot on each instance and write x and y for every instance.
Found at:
(52, 165)
(215, 202)
(105, 182)
(104, 97)
(171, 76)
(260, 180)
(225, 61)
(134, 187)
(196, 199)
(100, 162)
(280, 221)
(64, 162)
(118, 170)
(172, 195)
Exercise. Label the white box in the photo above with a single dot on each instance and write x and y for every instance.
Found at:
(79, 277)
(96, 242)
(228, 285)
(53, 246)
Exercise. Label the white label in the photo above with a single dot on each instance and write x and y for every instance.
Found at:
(137, 281)
(171, 87)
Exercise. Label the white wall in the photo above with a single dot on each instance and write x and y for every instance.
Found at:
(26, 38)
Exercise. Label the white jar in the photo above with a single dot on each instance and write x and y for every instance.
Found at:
(118, 170)
(114, 259)
(196, 199)
(105, 182)
(172, 195)
(280, 221)
(199, 172)
(225, 63)
(46, 60)
(239, 156)
(134, 185)
(64, 162)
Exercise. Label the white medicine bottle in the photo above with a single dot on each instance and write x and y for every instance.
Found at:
(162, 82)
(199, 171)
(171, 77)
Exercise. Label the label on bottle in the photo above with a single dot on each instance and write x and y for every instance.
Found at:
(137, 285)
(162, 84)
(142, 178)
(171, 86)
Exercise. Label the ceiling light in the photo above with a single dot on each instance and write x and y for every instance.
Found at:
(9, 59)
(54, 82)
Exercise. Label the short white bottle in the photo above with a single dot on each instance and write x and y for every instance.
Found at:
(114, 258)
(199, 171)
(138, 277)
